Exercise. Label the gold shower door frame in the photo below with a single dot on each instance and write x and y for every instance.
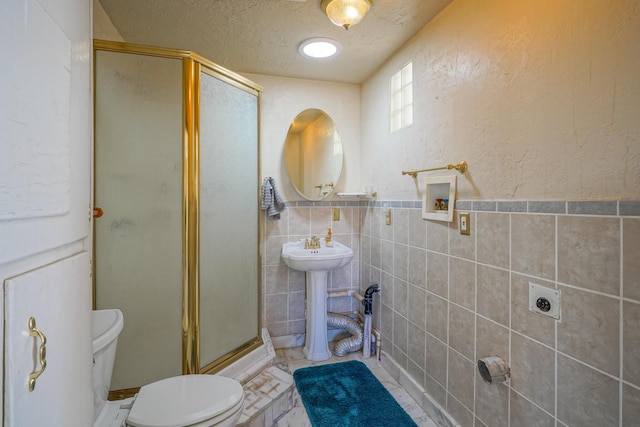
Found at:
(192, 67)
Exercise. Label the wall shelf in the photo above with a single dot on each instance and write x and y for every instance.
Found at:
(437, 191)
(358, 195)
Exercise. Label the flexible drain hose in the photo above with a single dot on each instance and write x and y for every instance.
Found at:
(347, 345)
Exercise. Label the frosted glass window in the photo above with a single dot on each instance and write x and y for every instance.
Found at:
(401, 98)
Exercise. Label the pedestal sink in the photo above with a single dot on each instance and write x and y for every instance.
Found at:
(316, 263)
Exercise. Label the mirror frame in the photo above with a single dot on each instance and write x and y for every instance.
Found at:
(310, 128)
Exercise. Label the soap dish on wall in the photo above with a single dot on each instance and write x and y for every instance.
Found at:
(439, 198)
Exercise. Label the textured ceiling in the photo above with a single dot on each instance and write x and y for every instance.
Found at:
(262, 36)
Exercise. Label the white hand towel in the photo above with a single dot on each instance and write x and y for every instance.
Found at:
(271, 200)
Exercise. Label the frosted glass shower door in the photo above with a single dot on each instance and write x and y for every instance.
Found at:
(138, 184)
(229, 168)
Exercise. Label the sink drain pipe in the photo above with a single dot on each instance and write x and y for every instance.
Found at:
(367, 301)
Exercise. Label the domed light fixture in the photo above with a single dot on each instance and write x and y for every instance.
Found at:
(319, 47)
(346, 13)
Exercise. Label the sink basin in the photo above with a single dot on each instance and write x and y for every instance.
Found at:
(316, 263)
(323, 259)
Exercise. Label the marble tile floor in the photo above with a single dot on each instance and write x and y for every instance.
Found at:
(271, 399)
(290, 359)
(267, 397)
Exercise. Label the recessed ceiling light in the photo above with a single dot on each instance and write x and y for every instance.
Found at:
(319, 47)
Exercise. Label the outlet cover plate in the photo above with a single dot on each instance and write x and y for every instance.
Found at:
(465, 223)
(552, 295)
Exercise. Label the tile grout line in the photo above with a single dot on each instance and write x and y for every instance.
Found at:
(555, 328)
(510, 389)
(621, 326)
(475, 310)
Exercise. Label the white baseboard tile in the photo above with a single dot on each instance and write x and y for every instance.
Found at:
(420, 395)
(288, 341)
(297, 340)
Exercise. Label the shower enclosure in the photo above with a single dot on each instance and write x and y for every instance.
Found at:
(177, 178)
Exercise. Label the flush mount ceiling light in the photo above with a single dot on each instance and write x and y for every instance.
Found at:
(319, 47)
(346, 13)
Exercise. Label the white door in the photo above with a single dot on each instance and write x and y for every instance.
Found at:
(45, 195)
(45, 122)
(52, 297)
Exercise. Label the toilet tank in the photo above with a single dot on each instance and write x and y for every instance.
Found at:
(106, 326)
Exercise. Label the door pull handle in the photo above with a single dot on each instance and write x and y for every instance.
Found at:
(42, 352)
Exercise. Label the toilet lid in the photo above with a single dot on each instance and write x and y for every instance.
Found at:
(184, 400)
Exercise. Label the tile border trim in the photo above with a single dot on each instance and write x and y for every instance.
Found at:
(566, 207)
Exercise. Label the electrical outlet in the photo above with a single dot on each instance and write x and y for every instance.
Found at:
(336, 214)
(543, 300)
(465, 223)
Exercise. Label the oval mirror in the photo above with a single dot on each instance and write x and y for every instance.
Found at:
(313, 154)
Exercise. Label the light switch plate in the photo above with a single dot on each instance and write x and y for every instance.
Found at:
(336, 214)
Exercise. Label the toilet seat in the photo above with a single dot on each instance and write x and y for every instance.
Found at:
(186, 400)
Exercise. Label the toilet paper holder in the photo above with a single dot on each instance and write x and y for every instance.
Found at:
(493, 369)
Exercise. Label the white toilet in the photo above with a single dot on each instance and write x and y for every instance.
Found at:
(186, 400)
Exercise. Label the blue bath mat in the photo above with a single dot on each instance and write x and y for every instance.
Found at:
(347, 394)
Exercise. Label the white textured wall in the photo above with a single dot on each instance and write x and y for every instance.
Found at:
(283, 99)
(541, 97)
(102, 26)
